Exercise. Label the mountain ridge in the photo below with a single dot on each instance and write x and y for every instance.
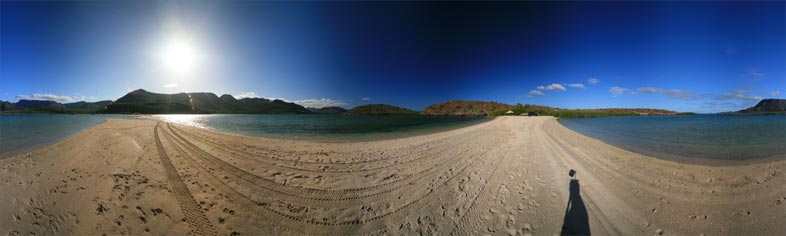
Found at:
(141, 101)
(764, 106)
(45, 106)
(144, 102)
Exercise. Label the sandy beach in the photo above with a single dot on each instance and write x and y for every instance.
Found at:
(508, 176)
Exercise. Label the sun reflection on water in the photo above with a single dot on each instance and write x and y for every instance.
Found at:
(189, 120)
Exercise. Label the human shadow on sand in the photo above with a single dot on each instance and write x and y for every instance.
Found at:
(576, 219)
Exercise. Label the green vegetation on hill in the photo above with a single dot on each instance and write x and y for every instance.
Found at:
(380, 109)
(144, 102)
(465, 108)
(765, 106)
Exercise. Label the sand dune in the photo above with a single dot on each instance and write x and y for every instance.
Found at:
(508, 176)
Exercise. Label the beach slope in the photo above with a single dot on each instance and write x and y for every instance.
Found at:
(508, 176)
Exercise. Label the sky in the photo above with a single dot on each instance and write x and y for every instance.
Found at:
(684, 56)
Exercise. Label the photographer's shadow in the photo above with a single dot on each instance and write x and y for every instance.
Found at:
(576, 220)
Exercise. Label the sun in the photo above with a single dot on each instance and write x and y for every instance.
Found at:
(179, 57)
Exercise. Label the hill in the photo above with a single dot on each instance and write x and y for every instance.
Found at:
(88, 106)
(465, 108)
(380, 109)
(328, 110)
(37, 104)
(42, 106)
(765, 106)
(144, 102)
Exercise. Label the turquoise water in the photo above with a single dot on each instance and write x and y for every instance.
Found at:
(19, 133)
(324, 127)
(693, 138)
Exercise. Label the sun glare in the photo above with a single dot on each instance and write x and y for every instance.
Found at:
(179, 57)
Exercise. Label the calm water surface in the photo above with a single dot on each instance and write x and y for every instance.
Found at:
(325, 127)
(697, 138)
(19, 133)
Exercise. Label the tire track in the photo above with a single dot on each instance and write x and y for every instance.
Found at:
(469, 224)
(424, 200)
(264, 211)
(320, 170)
(346, 198)
(425, 145)
(195, 217)
(298, 192)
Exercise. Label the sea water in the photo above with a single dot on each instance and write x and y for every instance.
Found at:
(698, 138)
(323, 127)
(21, 132)
(24, 132)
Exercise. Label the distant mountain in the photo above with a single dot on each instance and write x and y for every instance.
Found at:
(6, 105)
(465, 108)
(91, 106)
(144, 102)
(41, 106)
(328, 110)
(380, 109)
(765, 106)
(38, 104)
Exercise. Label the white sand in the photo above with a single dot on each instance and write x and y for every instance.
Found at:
(508, 176)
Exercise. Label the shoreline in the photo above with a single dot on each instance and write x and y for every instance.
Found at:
(334, 138)
(407, 134)
(22, 150)
(662, 156)
(507, 175)
(677, 157)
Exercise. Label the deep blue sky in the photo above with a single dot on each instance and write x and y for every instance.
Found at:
(703, 57)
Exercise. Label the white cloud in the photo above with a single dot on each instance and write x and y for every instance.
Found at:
(673, 93)
(616, 91)
(246, 95)
(552, 87)
(593, 80)
(365, 99)
(681, 94)
(320, 103)
(737, 95)
(576, 85)
(536, 92)
(755, 72)
(648, 90)
(775, 93)
(741, 95)
(171, 85)
(46, 96)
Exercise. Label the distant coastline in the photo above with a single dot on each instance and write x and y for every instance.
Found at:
(144, 102)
